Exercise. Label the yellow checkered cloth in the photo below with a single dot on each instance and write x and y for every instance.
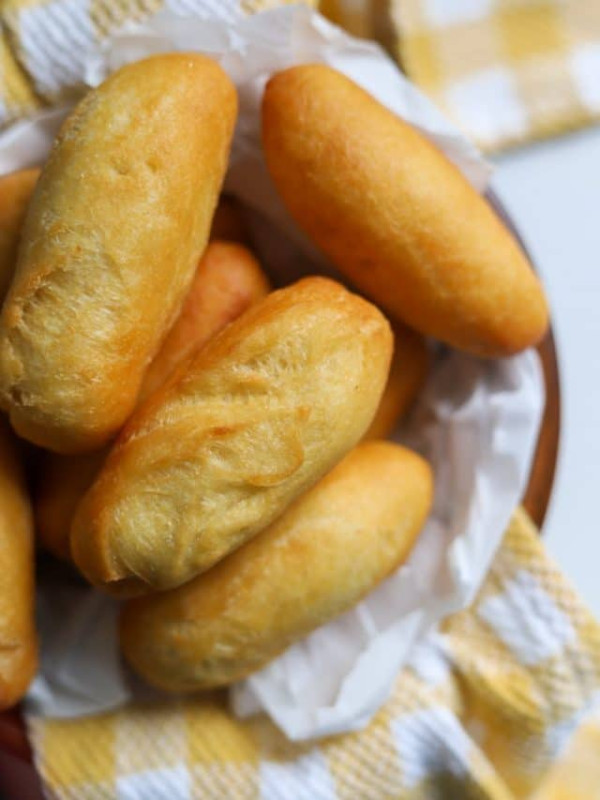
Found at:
(502, 703)
(506, 71)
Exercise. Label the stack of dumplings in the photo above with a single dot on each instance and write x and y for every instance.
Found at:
(208, 449)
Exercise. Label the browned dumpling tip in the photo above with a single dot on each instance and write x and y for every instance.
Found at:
(112, 238)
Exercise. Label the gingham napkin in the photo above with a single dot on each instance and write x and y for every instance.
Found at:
(507, 71)
(502, 703)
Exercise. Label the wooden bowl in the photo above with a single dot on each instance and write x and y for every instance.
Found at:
(541, 480)
(15, 753)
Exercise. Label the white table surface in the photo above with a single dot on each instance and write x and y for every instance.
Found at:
(552, 190)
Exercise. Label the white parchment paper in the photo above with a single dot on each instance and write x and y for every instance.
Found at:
(477, 421)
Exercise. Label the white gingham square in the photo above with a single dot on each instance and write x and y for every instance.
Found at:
(527, 620)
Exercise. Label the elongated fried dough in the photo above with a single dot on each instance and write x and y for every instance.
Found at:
(260, 414)
(227, 282)
(396, 216)
(332, 546)
(113, 234)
